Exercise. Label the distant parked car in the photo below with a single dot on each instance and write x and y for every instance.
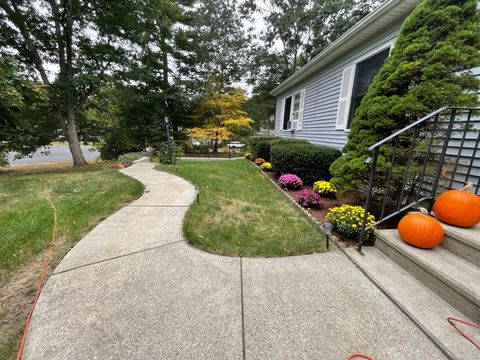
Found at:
(195, 143)
(235, 144)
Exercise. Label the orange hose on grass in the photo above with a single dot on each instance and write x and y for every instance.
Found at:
(42, 277)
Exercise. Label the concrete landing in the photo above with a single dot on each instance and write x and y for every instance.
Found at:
(134, 289)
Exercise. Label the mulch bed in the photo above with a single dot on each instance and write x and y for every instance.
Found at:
(327, 203)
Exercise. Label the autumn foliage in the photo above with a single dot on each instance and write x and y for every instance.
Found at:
(220, 113)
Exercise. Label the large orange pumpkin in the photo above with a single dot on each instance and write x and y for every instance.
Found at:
(420, 230)
(458, 207)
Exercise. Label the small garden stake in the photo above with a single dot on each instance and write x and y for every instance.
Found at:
(327, 227)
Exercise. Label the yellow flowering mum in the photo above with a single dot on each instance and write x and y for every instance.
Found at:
(266, 166)
(348, 220)
(324, 188)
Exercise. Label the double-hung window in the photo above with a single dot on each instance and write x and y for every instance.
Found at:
(355, 83)
(293, 111)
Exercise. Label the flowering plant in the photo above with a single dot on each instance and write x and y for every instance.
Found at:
(259, 161)
(308, 198)
(120, 166)
(290, 181)
(324, 188)
(348, 220)
(248, 155)
(266, 166)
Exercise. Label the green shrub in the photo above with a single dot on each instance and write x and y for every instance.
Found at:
(116, 143)
(424, 72)
(161, 150)
(260, 145)
(131, 157)
(310, 162)
(285, 141)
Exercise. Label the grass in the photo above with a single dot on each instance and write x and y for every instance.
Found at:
(241, 213)
(83, 197)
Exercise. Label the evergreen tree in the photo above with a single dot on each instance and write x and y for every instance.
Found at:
(427, 69)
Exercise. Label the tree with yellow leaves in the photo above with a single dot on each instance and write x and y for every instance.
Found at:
(220, 113)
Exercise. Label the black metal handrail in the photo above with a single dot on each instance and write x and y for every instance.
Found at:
(438, 150)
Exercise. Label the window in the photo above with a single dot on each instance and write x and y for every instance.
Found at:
(364, 74)
(293, 111)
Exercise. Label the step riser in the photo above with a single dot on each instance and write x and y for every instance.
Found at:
(461, 249)
(434, 283)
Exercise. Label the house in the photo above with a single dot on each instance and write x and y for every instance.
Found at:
(317, 102)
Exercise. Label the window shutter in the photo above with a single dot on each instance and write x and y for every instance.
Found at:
(282, 116)
(302, 103)
(345, 97)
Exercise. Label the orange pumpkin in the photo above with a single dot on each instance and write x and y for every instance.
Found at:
(420, 230)
(458, 207)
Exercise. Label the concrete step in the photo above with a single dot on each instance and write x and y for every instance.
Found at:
(463, 242)
(425, 308)
(451, 277)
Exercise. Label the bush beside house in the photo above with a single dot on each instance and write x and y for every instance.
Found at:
(310, 162)
(260, 146)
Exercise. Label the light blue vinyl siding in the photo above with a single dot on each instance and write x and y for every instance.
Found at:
(322, 95)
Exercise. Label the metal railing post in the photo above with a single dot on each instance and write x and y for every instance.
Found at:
(369, 197)
(442, 159)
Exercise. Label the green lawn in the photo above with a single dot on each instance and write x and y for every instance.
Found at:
(83, 197)
(241, 213)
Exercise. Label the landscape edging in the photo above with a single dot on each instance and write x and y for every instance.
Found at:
(305, 212)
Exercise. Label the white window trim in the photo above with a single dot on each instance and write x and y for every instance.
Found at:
(300, 118)
(371, 53)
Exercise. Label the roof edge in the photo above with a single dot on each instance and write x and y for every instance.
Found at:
(310, 66)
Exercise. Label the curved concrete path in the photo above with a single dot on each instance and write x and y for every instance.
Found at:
(133, 289)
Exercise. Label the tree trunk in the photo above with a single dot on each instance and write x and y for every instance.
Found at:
(72, 138)
(66, 74)
(63, 30)
(163, 46)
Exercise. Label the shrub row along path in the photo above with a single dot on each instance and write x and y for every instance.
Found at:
(134, 289)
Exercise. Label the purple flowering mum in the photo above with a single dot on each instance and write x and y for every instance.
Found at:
(290, 181)
(309, 198)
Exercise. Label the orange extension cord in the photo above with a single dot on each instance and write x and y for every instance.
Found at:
(357, 355)
(451, 321)
(42, 277)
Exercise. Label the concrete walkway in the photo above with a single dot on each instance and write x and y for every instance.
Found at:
(133, 289)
